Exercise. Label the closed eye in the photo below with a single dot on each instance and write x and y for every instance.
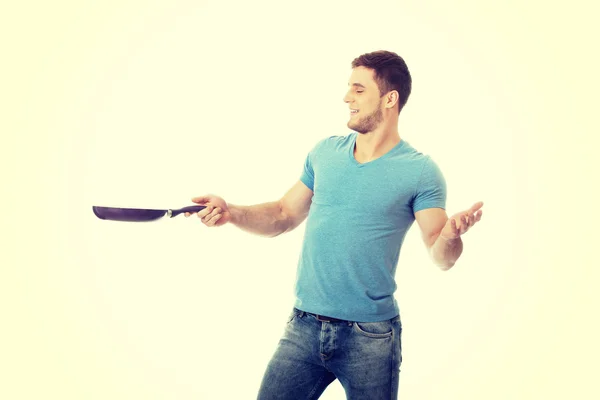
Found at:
(358, 88)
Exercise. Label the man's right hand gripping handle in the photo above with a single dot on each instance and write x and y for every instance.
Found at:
(216, 213)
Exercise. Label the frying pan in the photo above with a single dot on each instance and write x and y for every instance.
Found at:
(140, 214)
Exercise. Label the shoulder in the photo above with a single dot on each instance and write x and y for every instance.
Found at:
(333, 142)
(420, 162)
(426, 160)
(424, 168)
(431, 173)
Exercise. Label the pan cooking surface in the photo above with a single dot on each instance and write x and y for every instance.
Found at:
(128, 214)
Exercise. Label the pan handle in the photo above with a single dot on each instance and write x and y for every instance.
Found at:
(190, 209)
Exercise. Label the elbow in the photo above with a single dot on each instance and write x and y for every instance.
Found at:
(279, 227)
(288, 221)
(287, 225)
(445, 266)
(283, 223)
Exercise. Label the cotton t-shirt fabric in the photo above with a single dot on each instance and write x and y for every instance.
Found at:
(359, 216)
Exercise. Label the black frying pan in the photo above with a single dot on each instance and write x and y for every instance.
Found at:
(140, 214)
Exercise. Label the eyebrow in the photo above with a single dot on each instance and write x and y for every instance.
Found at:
(358, 85)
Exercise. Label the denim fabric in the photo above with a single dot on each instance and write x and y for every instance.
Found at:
(364, 356)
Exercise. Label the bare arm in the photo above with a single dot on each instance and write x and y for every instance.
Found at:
(277, 217)
(266, 219)
(442, 235)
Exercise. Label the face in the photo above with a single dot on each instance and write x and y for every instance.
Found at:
(364, 101)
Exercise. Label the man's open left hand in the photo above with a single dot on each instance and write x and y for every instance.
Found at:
(461, 222)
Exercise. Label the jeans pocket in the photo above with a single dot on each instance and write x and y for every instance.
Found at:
(377, 330)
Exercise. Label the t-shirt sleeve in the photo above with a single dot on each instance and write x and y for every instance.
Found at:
(308, 174)
(431, 190)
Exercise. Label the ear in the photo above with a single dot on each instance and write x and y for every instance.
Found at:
(391, 98)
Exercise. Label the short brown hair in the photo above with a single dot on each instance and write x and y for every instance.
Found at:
(391, 73)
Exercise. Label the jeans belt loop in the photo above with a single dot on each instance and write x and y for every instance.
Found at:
(322, 318)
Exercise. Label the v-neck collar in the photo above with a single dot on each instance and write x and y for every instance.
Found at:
(355, 162)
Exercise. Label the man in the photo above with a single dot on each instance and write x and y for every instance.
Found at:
(361, 194)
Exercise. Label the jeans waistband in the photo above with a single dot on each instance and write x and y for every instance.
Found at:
(323, 318)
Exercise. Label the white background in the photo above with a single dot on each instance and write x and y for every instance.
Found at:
(147, 104)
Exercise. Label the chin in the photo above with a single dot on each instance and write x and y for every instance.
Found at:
(356, 128)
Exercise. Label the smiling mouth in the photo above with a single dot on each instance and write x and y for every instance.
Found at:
(353, 112)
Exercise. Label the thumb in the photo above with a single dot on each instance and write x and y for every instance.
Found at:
(201, 199)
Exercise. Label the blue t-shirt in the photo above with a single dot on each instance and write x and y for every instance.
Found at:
(356, 224)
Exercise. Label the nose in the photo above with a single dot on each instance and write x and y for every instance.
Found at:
(347, 98)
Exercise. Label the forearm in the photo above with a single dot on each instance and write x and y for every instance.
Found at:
(266, 219)
(445, 252)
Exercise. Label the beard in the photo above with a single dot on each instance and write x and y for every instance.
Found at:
(367, 123)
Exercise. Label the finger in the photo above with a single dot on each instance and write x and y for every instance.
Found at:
(213, 220)
(454, 230)
(454, 227)
(464, 224)
(471, 219)
(479, 214)
(203, 213)
(206, 219)
(214, 212)
(475, 207)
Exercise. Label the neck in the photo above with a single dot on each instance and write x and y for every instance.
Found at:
(374, 144)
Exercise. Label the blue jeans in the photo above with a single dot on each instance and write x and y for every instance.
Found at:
(364, 356)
